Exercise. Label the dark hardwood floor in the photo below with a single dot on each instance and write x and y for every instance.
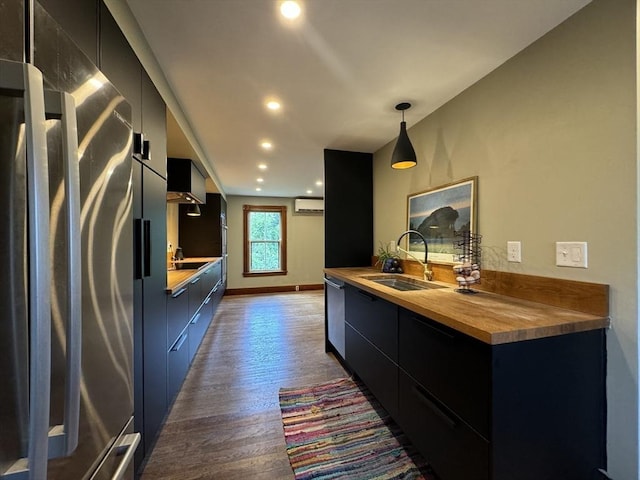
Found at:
(225, 423)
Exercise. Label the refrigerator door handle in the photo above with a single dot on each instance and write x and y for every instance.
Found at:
(138, 234)
(130, 443)
(63, 439)
(23, 77)
(147, 247)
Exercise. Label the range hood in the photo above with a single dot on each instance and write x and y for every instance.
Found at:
(185, 183)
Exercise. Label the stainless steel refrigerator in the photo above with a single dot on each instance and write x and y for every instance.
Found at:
(66, 292)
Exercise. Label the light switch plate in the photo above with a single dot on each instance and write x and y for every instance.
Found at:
(571, 254)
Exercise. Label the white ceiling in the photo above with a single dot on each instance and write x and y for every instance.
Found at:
(339, 71)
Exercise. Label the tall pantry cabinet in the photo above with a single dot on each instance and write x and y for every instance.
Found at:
(348, 237)
(120, 64)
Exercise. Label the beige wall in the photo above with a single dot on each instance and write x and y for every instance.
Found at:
(305, 245)
(173, 225)
(551, 134)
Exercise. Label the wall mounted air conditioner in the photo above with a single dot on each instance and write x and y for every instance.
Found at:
(309, 205)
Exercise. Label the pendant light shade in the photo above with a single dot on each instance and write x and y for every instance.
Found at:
(193, 210)
(404, 156)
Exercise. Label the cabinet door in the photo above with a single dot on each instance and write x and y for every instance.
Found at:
(196, 296)
(348, 188)
(198, 327)
(154, 314)
(374, 368)
(201, 236)
(453, 449)
(454, 367)
(177, 312)
(210, 278)
(79, 19)
(154, 126)
(12, 30)
(374, 318)
(120, 64)
(177, 364)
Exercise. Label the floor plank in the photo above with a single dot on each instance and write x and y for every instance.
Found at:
(225, 422)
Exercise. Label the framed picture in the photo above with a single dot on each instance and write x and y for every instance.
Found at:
(437, 214)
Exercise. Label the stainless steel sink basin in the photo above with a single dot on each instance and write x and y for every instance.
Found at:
(402, 283)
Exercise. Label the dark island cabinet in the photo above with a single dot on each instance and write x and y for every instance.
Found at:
(371, 344)
(453, 367)
(525, 410)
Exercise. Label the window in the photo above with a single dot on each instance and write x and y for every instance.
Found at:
(265, 240)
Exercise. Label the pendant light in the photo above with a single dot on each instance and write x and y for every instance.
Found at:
(404, 156)
(193, 210)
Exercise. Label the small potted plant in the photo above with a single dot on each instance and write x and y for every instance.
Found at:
(390, 261)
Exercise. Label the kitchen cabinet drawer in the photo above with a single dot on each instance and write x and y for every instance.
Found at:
(210, 278)
(196, 295)
(216, 296)
(452, 366)
(177, 364)
(374, 318)
(374, 368)
(453, 449)
(177, 312)
(198, 327)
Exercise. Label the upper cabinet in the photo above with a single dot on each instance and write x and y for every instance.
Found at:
(204, 236)
(121, 65)
(12, 30)
(154, 126)
(79, 19)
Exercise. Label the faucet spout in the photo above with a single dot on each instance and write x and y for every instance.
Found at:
(424, 240)
(428, 275)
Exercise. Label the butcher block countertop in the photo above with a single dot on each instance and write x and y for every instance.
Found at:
(489, 317)
(179, 277)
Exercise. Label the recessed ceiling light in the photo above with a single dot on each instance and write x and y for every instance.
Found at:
(273, 105)
(290, 9)
(260, 180)
(309, 192)
(258, 189)
(266, 145)
(319, 183)
(262, 166)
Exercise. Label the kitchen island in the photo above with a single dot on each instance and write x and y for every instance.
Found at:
(486, 386)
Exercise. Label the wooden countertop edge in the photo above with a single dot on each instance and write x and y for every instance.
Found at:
(188, 274)
(483, 326)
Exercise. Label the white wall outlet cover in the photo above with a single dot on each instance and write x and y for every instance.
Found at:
(571, 254)
(514, 252)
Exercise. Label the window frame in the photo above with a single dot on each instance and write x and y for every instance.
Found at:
(282, 210)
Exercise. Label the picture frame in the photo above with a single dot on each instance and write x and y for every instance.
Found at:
(439, 212)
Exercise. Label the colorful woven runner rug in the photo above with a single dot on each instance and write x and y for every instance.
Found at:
(337, 430)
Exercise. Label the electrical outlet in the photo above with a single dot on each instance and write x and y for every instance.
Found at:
(571, 254)
(392, 245)
(514, 252)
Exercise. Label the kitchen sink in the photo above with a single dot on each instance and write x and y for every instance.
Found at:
(402, 283)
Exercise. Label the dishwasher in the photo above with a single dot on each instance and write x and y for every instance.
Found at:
(334, 289)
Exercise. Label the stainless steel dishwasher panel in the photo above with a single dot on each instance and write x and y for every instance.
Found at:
(335, 313)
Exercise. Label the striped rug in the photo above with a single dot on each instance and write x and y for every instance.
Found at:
(337, 430)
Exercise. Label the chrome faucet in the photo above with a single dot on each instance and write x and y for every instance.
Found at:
(428, 274)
